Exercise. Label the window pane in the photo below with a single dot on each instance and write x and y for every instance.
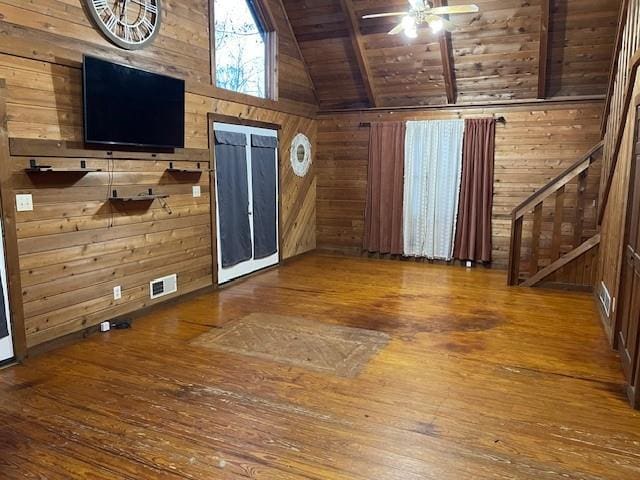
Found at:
(240, 48)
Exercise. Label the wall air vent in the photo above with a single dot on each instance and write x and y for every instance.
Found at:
(605, 299)
(163, 286)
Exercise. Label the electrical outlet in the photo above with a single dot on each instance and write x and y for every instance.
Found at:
(196, 191)
(469, 264)
(24, 202)
(117, 292)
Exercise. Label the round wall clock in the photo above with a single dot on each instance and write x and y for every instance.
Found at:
(130, 24)
(300, 155)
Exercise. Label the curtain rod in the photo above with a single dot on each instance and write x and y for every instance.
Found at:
(499, 119)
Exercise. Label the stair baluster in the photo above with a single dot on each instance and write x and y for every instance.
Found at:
(549, 251)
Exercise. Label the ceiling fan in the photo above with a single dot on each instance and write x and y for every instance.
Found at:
(422, 12)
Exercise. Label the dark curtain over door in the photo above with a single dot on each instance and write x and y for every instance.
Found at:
(4, 324)
(264, 178)
(233, 198)
(473, 232)
(385, 188)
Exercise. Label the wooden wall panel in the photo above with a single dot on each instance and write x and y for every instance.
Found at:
(574, 69)
(613, 223)
(581, 272)
(535, 145)
(60, 31)
(297, 194)
(496, 51)
(621, 85)
(65, 234)
(323, 35)
(74, 247)
(618, 129)
(45, 102)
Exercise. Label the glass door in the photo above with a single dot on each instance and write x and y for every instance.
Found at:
(246, 175)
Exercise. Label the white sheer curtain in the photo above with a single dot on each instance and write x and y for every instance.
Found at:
(432, 167)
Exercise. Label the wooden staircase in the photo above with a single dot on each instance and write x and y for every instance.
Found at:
(554, 232)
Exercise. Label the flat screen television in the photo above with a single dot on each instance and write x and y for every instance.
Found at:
(130, 107)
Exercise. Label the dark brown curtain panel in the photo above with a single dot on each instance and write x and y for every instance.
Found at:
(473, 230)
(383, 213)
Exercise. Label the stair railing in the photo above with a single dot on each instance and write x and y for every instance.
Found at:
(546, 242)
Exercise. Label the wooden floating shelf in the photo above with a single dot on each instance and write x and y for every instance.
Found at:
(137, 198)
(186, 170)
(147, 197)
(61, 170)
(196, 170)
(35, 168)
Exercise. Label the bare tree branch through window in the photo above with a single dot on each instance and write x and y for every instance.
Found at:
(240, 48)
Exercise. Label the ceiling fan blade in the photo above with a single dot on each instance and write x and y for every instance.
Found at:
(397, 29)
(454, 9)
(390, 14)
(446, 24)
(417, 4)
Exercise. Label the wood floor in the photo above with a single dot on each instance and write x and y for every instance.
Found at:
(478, 381)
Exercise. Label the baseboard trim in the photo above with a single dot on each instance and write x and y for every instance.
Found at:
(569, 287)
(605, 321)
(359, 253)
(286, 261)
(75, 337)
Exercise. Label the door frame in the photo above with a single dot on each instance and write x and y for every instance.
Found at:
(6, 342)
(212, 118)
(8, 218)
(633, 386)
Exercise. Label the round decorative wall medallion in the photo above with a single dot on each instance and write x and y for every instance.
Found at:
(130, 24)
(300, 155)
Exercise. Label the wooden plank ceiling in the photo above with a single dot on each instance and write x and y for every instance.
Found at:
(510, 50)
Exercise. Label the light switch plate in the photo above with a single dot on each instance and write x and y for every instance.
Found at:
(24, 202)
(196, 191)
(117, 292)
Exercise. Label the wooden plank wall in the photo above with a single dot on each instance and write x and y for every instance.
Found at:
(60, 31)
(323, 35)
(76, 246)
(628, 45)
(613, 223)
(581, 272)
(536, 144)
(45, 102)
(73, 248)
(620, 125)
(582, 33)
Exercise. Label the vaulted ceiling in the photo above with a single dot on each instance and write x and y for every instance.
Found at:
(497, 54)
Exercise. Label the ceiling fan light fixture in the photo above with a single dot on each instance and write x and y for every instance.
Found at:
(409, 22)
(410, 26)
(411, 32)
(437, 26)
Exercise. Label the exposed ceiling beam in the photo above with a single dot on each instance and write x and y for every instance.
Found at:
(358, 47)
(446, 52)
(545, 19)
